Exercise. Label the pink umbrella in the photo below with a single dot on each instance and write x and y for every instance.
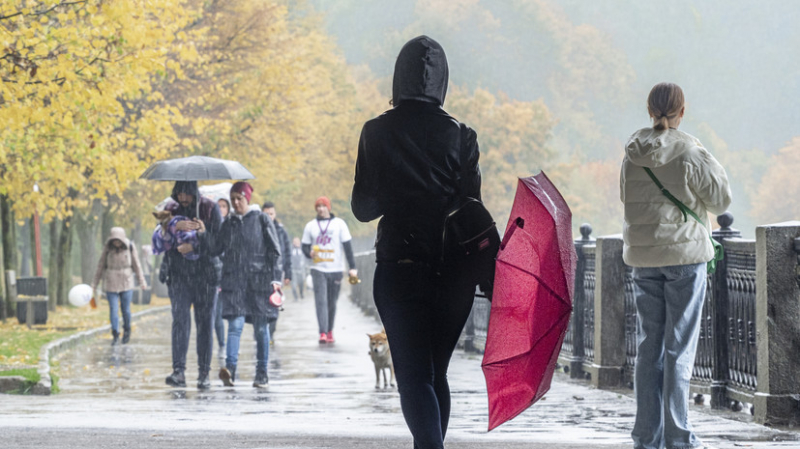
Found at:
(532, 299)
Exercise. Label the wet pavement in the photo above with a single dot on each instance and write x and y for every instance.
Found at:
(319, 396)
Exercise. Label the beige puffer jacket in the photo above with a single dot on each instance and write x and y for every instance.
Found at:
(117, 266)
(655, 233)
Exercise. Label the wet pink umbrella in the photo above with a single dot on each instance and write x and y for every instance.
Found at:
(532, 299)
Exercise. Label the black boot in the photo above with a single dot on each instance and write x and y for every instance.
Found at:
(126, 335)
(176, 379)
(203, 383)
(114, 337)
(261, 380)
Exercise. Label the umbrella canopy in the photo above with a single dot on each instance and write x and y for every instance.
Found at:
(214, 192)
(196, 168)
(532, 299)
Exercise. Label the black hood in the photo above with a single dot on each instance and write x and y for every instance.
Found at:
(188, 187)
(420, 72)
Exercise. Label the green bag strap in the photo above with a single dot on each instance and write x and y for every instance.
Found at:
(685, 210)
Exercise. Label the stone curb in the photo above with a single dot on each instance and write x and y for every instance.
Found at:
(45, 384)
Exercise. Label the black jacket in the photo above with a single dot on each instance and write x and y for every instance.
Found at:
(414, 160)
(250, 252)
(286, 249)
(203, 269)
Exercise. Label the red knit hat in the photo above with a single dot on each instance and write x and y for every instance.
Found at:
(243, 189)
(324, 201)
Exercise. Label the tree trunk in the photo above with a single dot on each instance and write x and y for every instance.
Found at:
(52, 272)
(108, 222)
(136, 233)
(5, 307)
(64, 280)
(87, 227)
(26, 239)
(9, 245)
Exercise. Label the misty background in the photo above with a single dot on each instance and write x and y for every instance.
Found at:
(592, 65)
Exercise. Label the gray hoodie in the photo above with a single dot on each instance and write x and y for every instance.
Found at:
(655, 233)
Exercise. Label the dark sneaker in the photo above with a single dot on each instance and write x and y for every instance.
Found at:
(126, 337)
(203, 383)
(226, 376)
(114, 338)
(261, 380)
(176, 379)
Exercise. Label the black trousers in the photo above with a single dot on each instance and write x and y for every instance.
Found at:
(182, 296)
(423, 314)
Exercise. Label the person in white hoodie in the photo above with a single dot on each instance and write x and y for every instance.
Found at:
(668, 251)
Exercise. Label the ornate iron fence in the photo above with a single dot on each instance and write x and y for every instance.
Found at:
(361, 294)
(741, 335)
(589, 278)
(631, 322)
(725, 364)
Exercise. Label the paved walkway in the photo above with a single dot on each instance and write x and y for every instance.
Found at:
(319, 397)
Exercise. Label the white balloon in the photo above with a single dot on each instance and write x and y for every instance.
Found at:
(80, 295)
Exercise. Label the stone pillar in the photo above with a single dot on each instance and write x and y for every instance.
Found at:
(777, 397)
(719, 374)
(577, 319)
(609, 313)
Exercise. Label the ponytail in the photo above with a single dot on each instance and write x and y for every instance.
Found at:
(664, 103)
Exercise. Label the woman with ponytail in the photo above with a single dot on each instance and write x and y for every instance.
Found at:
(668, 252)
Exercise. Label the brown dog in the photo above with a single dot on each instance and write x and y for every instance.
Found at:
(381, 358)
(163, 217)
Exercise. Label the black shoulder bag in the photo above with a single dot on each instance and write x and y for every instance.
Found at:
(470, 240)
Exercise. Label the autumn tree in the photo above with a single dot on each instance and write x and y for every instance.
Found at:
(71, 71)
(779, 191)
(513, 140)
(262, 83)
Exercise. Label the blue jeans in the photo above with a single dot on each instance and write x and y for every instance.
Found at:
(114, 299)
(669, 303)
(261, 335)
(423, 314)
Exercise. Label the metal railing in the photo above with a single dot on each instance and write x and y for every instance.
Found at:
(729, 339)
(726, 359)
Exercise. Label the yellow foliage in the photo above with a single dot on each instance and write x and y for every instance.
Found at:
(591, 189)
(69, 72)
(512, 136)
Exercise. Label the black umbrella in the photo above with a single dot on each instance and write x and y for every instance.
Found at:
(196, 168)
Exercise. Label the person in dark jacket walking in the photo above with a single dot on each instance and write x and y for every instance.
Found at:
(298, 269)
(286, 259)
(219, 324)
(192, 283)
(250, 274)
(414, 162)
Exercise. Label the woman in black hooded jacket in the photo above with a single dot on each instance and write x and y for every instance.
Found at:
(414, 162)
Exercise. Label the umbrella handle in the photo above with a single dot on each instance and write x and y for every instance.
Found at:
(518, 223)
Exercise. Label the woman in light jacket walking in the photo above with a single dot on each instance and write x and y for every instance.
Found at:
(118, 262)
(668, 251)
